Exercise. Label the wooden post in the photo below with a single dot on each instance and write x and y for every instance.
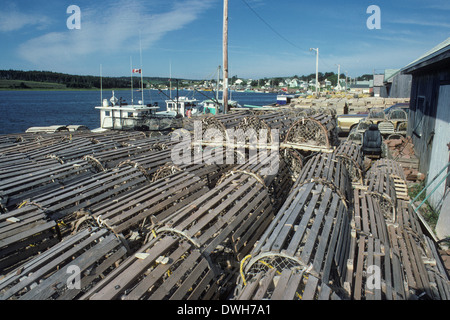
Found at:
(225, 56)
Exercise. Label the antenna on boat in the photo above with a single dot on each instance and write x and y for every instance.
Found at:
(170, 79)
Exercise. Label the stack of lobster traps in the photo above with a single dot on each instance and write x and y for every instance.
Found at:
(194, 252)
(393, 258)
(309, 238)
(134, 216)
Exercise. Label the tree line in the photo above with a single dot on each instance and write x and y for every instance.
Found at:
(76, 81)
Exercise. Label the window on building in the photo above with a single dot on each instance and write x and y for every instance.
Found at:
(107, 113)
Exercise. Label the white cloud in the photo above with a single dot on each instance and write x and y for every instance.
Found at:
(118, 28)
(425, 23)
(14, 20)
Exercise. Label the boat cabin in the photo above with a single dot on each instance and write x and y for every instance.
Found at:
(180, 106)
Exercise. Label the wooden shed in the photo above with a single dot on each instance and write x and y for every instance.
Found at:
(429, 122)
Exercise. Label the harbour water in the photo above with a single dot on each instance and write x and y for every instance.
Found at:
(21, 110)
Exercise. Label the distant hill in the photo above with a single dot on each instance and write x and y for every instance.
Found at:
(16, 79)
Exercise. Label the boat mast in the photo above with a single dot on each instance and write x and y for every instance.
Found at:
(217, 90)
(225, 56)
(142, 73)
(131, 78)
(101, 86)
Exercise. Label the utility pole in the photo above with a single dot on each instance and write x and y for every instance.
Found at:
(346, 77)
(225, 56)
(339, 73)
(317, 69)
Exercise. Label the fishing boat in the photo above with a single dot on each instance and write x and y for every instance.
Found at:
(118, 115)
(180, 107)
(284, 99)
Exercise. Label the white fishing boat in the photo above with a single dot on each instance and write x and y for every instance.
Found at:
(116, 115)
(180, 107)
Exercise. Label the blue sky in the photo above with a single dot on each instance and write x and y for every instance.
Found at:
(186, 36)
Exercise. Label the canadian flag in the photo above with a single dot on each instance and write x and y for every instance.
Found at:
(137, 70)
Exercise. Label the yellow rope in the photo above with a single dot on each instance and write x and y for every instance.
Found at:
(241, 271)
(22, 204)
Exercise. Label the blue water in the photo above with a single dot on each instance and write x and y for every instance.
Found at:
(21, 110)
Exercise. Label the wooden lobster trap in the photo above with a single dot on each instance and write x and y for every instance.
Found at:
(351, 155)
(107, 159)
(286, 285)
(294, 160)
(378, 272)
(208, 163)
(166, 268)
(24, 233)
(136, 214)
(311, 232)
(368, 217)
(226, 221)
(279, 120)
(395, 171)
(424, 272)
(381, 186)
(63, 204)
(66, 270)
(148, 163)
(375, 271)
(31, 142)
(314, 133)
(25, 185)
(19, 164)
(270, 170)
(73, 148)
(328, 169)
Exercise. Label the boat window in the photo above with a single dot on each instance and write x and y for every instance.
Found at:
(107, 113)
(130, 114)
